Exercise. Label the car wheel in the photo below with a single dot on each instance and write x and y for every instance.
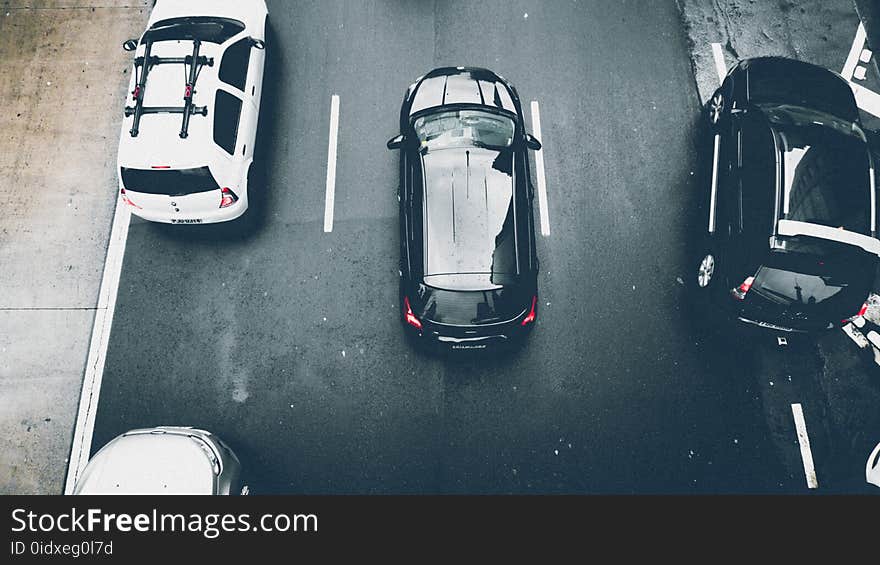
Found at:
(715, 108)
(706, 270)
(703, 283)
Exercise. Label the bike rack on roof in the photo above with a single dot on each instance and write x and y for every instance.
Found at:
(147, 62)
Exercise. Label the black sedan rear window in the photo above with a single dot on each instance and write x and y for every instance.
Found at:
(172, 182)
(472, 307)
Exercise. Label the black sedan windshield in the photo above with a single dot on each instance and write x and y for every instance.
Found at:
(464, 128)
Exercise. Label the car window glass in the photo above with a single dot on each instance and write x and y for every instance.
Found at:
(173, 182)
(826, 178)
(234, 66)
(739, 91)
(227, 111)
(757, 180)
(463, 128)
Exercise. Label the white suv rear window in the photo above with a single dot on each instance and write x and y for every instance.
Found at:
(172, 182)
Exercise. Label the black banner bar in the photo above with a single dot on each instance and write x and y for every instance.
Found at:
(130, 529)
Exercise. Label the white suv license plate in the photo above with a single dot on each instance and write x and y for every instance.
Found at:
(186, 221)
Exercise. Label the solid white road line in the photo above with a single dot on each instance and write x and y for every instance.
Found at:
(867, 99)
(539, 166)
(720, 65)
(854, 53)
(331, 164)
(94, 372)
(855, 335)
(804, 441)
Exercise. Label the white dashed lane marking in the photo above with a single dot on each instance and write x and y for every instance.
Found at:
(720, 66)
(539, 171)
(804, 441)
(330, 193)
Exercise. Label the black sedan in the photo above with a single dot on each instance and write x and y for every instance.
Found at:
(790, 238)
(468, 262)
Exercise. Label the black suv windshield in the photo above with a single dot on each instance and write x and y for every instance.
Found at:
(203, 28)
(464, 128)
(173, 182)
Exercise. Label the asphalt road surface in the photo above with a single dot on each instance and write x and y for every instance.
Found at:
(286, 341)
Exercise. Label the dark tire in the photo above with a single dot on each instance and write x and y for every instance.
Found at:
(703, 284)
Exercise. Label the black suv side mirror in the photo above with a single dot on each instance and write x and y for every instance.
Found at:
(258, 44)
(532, 142)
(395, 142)
(130, 45)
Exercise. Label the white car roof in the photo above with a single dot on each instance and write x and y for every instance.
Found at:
(158, 142)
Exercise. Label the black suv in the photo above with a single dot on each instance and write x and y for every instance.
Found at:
(468, 260)
(789, 241)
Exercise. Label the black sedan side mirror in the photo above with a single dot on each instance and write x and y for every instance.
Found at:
(395, 142)
(130, 45)
(258, 44)
(532, 142)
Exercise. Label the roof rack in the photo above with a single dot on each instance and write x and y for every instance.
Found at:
(147, 62)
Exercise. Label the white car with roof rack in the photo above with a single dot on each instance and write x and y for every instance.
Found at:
(186, 148)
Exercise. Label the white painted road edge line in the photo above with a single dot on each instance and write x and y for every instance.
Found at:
(94, 372)
(866, 99)
(331, 164)
(855, 51)
(804, 441)
(539, 171)
(720, 66)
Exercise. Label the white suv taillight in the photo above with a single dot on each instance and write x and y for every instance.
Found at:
(227, 198)
(126, 200)
(740, 292)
